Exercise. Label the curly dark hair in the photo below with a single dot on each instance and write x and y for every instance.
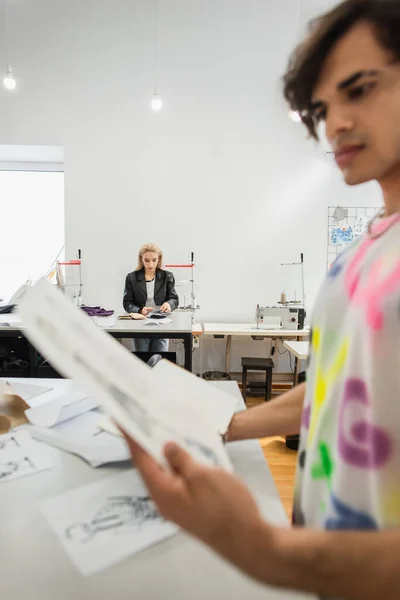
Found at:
(307, 61)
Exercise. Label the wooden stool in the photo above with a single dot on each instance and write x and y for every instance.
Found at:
(257, 364)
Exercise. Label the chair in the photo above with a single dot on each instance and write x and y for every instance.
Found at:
(146, 356)
(257, 364)
(154, 360)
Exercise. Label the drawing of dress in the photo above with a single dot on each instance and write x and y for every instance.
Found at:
(120, 514)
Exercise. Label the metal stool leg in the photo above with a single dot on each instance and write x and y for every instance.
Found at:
(244, 383)
(268, 384)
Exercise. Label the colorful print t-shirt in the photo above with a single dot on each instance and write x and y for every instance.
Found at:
(348, 474)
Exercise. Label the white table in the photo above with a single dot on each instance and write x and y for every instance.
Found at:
(300, 351)
(34, 565)
(180, 328)
(197, 329)
(229, 330)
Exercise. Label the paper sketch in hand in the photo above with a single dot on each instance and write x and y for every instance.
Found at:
(104, 522)
(152, 412)
(152, 428)
(219, 405)
(20, 456)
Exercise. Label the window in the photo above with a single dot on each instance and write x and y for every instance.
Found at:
(31, 226)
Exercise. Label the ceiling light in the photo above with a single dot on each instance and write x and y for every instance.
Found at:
(9, 81)
(156, 102)
(295, 116)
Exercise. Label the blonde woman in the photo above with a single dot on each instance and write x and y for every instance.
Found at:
(148, 288)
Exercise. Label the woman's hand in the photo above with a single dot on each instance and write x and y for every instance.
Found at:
(146, 310)
(166, 307)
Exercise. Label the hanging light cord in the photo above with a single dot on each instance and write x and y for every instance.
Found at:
(301, 18)
(7, 34)
(155, 48)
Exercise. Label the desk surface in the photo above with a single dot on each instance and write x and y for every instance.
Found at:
(298, 349)
(250, 329)
(13, 320)
(181, 323)
(33, 560)
(197, 329)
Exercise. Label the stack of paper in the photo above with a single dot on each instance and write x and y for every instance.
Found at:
(69, 422)
(63, 408)
(152, 405)
(84, 437)
(27, 391)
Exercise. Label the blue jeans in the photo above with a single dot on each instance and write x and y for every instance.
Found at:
(150, 345)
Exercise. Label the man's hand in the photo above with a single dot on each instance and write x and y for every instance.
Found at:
(211, 504)
(166, 307)
(146, 310)
(215, 507)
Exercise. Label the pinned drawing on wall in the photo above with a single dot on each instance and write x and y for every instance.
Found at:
(346, 224)
(361, 226)
(340, 213)
(341, 235)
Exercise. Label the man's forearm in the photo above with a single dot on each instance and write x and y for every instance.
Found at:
(347, 565)
(277, 417)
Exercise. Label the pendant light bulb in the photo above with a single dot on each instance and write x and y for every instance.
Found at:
(156, 102)
(9, 81)
(295, 116)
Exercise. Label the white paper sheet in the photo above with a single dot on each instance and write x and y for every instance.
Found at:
(137, 399)
(84, 437)
(103, 523)
(20, 456)
(107, 424)
(361, 226)
(10, 319)
(61, 409)
(26, 391)
(218, 405)
(152, 322)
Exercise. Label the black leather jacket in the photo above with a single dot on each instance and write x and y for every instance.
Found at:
(135, 293)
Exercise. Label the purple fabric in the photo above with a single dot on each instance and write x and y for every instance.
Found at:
(97, 311)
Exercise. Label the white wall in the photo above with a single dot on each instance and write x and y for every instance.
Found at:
(221, 171)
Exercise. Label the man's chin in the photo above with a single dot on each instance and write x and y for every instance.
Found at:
(354, 177)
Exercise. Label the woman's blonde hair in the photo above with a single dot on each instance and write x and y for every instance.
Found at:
(149, 248)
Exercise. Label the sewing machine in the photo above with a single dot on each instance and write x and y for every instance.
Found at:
(280, 317)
